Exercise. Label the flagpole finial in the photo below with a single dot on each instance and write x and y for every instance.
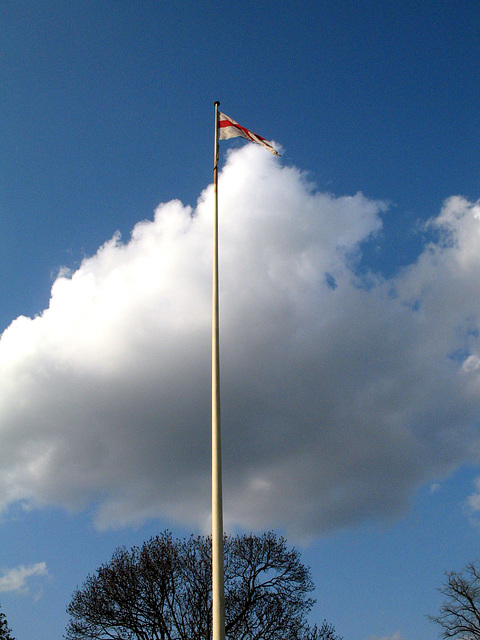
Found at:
(216, 103)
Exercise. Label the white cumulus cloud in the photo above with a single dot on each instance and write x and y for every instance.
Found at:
(339, 396)
(17, 578)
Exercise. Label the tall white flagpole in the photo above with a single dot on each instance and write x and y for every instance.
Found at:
(218, 587)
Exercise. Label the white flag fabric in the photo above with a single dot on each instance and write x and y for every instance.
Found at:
(228, 128)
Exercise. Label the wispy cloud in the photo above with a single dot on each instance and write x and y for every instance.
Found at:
(341, 393)
(17, 579)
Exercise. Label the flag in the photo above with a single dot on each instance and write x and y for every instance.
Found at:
(228, 128)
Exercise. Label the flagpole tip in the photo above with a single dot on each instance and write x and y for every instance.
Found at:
(216, 103)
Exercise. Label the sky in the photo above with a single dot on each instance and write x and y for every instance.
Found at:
(349, 289)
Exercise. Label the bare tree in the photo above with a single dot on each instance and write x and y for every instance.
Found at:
(162, 591)
(460, 613)
(325, 632)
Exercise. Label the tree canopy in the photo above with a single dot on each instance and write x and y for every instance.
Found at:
(5, 632)
(162, 591)
(460, 612)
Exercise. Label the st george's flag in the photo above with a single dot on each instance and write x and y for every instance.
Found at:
(228, 128)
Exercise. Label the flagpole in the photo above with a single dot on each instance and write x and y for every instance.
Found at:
(218, 587)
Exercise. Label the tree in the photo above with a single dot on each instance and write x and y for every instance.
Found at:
(460, 612)
(325, 632)
(4, 630)
(162, 591)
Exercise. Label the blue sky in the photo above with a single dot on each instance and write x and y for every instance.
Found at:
(349, 267)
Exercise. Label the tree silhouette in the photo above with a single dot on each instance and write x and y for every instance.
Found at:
(460, 613)
(5, 632)
(162, 591)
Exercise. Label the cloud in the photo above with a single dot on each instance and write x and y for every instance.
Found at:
(341, 392)
(472, 504)
(16, 579)
(396, 636)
